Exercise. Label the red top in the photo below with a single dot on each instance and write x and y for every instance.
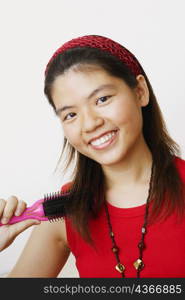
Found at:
(164, 255)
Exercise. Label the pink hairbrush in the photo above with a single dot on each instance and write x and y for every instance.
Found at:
(52, 207)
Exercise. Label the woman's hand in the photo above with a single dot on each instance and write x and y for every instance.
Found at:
(8, 208)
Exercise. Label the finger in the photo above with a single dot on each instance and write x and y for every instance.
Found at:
(21, 226)
(20, 208)
(9, 209)
(2, 206)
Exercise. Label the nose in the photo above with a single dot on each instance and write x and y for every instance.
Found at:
(90, 121)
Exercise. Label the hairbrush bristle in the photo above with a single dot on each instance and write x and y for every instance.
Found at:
(55, 205)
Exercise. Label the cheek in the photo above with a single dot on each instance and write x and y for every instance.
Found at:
(129, 115)
(72, 135)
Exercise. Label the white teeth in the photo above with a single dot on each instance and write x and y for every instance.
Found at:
(103, 139)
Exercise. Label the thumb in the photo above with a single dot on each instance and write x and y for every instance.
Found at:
(21, 226)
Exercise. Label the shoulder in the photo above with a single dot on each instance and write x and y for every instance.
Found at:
(180, 165)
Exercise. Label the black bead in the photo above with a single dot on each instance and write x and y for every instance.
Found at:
(115, 249)
(141, 245)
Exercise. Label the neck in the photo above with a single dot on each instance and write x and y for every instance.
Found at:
(132, 170)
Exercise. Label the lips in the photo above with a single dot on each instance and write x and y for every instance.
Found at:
(97, 137)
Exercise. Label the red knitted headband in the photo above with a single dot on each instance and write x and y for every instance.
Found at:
(105, 44)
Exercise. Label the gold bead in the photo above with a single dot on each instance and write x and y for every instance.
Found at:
(138, 264)
(111, 233)
(143, 230)
(120, 268)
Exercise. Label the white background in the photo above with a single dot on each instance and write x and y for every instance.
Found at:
(30, 134)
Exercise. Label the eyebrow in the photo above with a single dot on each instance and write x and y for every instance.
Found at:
(93, 93)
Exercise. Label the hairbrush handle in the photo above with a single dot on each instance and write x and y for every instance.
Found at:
(35, 211)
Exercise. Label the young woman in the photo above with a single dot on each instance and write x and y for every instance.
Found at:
(127, 213)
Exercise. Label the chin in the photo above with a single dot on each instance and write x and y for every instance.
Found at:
(110, 160)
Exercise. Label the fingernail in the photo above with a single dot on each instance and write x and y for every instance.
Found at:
(4, 220)
(17, 213)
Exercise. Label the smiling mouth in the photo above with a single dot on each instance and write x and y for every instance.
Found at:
(106, 143)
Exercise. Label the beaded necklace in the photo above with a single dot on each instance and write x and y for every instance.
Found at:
(138, 264)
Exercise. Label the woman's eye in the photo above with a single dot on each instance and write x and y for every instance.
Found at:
(104, 98)
(65, 118)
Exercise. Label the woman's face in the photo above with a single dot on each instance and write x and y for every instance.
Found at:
(91, 103)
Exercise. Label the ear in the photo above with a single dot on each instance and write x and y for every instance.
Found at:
(142, 91)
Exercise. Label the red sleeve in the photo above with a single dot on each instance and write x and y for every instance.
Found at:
(180, 164)
(66, 187)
